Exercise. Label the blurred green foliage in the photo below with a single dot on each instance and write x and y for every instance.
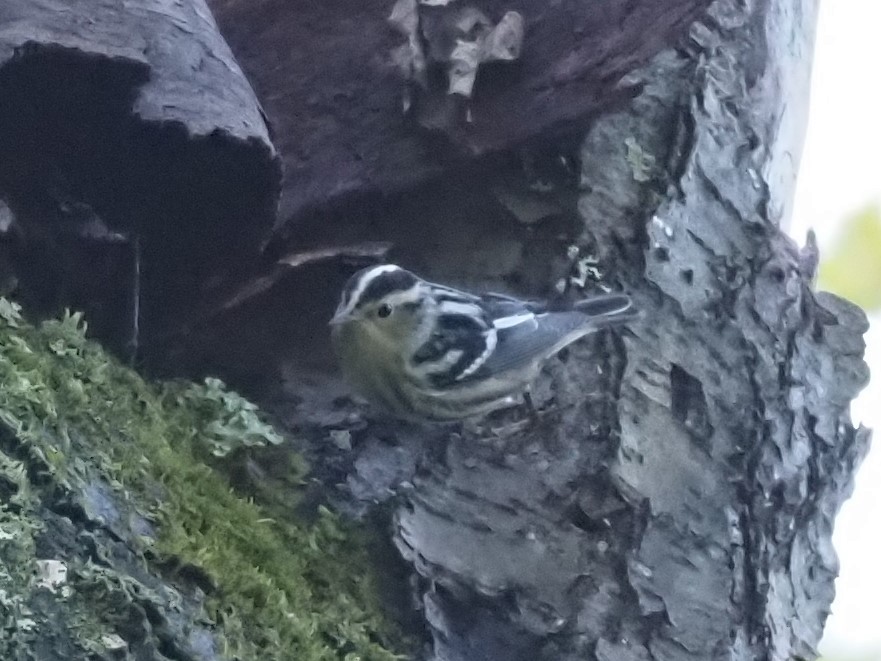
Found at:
(852, 268)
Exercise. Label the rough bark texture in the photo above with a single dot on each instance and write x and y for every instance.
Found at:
(326, 77)
(698, 526)
(676, 499)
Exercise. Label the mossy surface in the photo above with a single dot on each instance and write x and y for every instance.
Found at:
(160, 529)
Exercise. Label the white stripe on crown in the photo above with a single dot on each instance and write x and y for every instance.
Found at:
(366, 279)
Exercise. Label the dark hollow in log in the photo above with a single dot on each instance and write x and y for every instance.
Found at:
(133, 122)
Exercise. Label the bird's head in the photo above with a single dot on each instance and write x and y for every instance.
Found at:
(385, 303)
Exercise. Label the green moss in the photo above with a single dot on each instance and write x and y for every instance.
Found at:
(284, 589)
(17, 562)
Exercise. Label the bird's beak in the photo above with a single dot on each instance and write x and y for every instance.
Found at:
(340, 318)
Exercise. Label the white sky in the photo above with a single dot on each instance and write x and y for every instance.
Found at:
(840, 173)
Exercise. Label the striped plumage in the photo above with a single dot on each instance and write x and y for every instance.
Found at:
(427, 352)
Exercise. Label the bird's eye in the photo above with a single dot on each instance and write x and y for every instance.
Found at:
(384, 310)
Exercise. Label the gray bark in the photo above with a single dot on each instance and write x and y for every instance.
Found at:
(698, 524)
(677, 502)
(676, 499)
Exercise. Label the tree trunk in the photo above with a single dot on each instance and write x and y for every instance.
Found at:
(675, 500)
(686, 511)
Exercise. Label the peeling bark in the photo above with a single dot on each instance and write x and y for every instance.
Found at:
(326, 75)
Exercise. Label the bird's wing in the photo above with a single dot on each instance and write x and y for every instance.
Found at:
(466, 334)
(462, 338)
(506, 311)
(523, 336)
(519, 345)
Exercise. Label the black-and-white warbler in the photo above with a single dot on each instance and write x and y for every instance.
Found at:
(422, 351)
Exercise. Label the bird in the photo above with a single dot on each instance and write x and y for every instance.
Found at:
(426, 352)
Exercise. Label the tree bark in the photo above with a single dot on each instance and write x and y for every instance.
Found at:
(678, 501)
(676, 498)
(688, 515)
(325, 74)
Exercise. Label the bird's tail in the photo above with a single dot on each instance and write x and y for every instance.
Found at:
(608, 309)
